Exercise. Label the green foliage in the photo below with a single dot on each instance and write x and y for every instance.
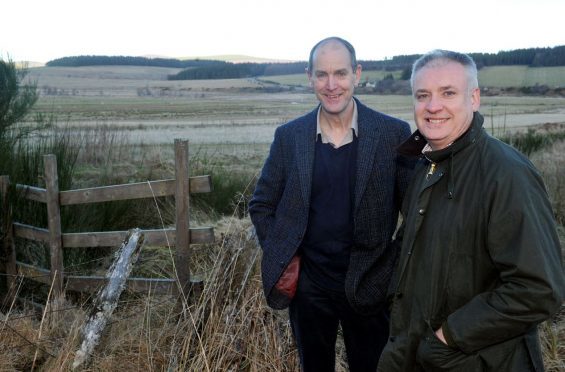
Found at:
(16, 100)
(78, 61)
(535, 57)
(17, 161)
(231, 189)
(532, 141)
(238, 70)
(27, 168)
(20, 153)
(406, 73)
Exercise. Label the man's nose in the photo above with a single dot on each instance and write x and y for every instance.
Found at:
(332, 82)
(434, 104)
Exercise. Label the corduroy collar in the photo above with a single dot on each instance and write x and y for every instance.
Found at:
(415, 143)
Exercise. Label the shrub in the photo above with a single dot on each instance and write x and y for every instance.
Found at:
(532, 141)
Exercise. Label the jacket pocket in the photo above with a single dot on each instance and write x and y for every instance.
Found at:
(511, 355)
(434, 355)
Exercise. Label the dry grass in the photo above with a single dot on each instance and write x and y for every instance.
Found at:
(551, 164)
(31, 339)
(552, 337)
(228, 328)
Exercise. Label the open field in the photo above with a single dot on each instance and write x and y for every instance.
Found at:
(494, 76)
(301, 79)
(252, 117)
(522, 76)
(118, 80)
(153, 110)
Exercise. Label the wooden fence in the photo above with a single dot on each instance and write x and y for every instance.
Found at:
(181, 236)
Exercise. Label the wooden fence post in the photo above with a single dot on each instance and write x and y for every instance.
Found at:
(54, 224)
(107, 299)
(182, 256)
(8, 245)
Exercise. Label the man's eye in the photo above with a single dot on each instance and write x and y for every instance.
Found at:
(449, 93)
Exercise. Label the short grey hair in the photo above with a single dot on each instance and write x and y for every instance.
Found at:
(439, 56)
(328, 40)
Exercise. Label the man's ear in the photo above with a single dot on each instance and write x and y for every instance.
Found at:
(476, 99)
(358, 74)
(309, 76)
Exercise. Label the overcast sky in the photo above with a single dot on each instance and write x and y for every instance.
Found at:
(41, 30)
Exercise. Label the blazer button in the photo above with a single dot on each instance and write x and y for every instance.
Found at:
(399, 295)
(281, 263)
(422, 211)
(392, 339)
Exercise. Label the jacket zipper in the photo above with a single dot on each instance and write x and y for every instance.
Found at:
(431, 170)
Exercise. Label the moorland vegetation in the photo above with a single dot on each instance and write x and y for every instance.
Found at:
(228, 327)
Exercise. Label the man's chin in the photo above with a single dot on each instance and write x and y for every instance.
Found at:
(334, 109)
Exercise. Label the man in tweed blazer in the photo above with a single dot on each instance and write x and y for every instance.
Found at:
(330, 191)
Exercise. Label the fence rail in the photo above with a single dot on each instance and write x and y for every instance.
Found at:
(92, 283)
(159, 237)
(180, 236)
(140, 190)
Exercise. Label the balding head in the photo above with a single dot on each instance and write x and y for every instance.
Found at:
(338, 42)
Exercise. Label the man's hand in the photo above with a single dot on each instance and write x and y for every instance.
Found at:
(439, 334)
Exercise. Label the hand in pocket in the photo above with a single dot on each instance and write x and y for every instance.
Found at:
(434, 355)
(288, 281)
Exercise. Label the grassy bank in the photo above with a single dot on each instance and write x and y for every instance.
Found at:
(229, 327)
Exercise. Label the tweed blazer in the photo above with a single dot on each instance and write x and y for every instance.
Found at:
(280, 204)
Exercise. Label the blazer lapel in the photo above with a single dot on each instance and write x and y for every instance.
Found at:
(305, 150)
(366, 152)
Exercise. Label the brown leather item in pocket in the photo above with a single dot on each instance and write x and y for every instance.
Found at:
(289, 278)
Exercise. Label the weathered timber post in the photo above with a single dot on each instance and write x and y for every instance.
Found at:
(54, 224)
(8, 246)
(108, 297)
(182, 244)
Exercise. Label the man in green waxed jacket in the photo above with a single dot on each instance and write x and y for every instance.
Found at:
(480, 265)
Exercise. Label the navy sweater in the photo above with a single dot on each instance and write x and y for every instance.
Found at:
(329, 235)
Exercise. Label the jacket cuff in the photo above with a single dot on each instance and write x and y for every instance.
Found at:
(448, 336)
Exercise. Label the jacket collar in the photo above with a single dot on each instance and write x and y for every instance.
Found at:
(369, 138)
(414, 145)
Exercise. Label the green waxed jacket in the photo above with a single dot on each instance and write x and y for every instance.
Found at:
(480, 258)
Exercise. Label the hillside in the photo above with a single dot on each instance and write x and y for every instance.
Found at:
(235, 66)
(238, 58)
